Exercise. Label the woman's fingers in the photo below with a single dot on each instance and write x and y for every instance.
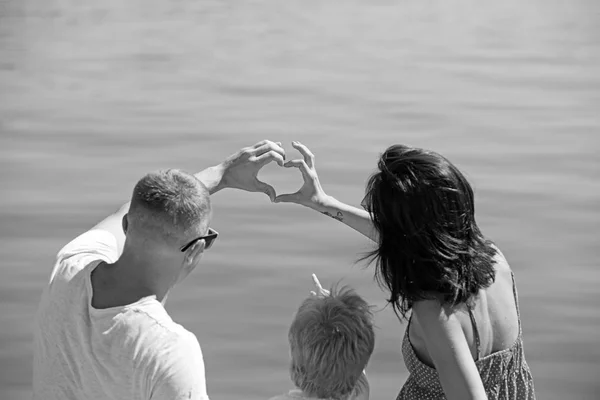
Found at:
(309, 157)
(301, 165)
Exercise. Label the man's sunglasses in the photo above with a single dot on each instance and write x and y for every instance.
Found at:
(208, 240)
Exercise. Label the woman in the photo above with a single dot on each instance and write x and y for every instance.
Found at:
(463, 339)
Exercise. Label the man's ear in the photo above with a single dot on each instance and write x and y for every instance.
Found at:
(196, 252)
(124, 223)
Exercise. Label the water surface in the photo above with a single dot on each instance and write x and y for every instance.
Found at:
(95, 94)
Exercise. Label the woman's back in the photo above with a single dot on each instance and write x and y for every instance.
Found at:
(495, 316)
(492, 329)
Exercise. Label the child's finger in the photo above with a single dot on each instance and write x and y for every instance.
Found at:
(316, 281)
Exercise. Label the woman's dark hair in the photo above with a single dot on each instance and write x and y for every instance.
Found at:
(429, 244)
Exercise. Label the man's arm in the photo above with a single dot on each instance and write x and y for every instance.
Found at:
(237, 171)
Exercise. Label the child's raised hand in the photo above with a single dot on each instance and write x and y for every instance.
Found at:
(320, 291)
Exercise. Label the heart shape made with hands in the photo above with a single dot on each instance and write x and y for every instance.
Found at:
(310, 191)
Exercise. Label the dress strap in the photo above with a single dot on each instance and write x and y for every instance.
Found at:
(476, 332)
(516, 300)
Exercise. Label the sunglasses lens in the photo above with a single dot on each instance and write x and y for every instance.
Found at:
(208, 242)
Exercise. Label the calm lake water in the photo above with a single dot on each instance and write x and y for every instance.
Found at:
(95, 94)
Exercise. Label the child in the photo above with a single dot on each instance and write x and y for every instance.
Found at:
(331, 340)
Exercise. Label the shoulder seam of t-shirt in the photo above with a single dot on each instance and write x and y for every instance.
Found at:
(95, 243)
(137, 309)
(111, 243)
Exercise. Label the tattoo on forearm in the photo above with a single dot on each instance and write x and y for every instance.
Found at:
(339, 216)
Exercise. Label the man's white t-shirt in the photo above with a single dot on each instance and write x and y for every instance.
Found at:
(134, 352)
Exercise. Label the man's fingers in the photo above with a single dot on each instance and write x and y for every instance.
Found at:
(309, 157)
(287, 198)
(264, 147)
(301, 165)
(269, 156)
(267, 189)
(261, 143)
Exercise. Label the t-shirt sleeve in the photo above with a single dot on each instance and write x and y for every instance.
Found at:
(95, 244)
(182, 375)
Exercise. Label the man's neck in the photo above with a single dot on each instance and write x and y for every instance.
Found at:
(124, 283)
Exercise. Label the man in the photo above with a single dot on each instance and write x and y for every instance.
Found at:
(101, 330)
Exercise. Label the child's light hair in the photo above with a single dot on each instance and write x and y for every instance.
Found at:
(331, 341)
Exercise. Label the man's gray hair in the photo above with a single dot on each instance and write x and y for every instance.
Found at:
(331, 341)
(169, 203)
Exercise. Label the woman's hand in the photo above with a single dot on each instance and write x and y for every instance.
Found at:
(311, 194)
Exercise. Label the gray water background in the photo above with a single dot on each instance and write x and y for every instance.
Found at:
(95, 94)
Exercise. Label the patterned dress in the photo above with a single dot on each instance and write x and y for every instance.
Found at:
(505, 374)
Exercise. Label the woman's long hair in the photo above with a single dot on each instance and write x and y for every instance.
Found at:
(429, 244)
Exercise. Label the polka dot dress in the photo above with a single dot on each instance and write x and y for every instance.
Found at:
(505, 374)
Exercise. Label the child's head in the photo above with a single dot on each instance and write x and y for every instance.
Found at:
(331, 341)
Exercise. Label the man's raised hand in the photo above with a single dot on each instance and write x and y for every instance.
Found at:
(240, 170)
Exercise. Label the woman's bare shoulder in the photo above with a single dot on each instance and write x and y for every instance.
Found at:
(501, 266)
(433, 309)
